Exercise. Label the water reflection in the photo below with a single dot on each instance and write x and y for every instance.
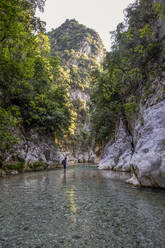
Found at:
(73, 207)
(64, 178)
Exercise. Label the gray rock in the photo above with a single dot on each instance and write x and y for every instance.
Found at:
(14, 172)
(148, 160)
(117, 155)
(33, 147)
(77, 155)
(133, 180)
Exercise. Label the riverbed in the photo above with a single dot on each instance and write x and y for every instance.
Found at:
(82, 207)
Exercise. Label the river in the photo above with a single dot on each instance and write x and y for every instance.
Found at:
(82, 208)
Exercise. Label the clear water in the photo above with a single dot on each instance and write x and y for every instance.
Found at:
(83, 207)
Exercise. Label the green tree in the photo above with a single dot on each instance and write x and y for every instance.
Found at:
(135, 59)
(30, 78)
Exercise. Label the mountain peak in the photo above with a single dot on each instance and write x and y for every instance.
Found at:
(71, 21)
(72, 35)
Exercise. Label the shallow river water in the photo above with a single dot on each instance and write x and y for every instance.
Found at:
(84, 207)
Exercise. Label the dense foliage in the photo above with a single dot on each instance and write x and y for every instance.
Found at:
(136, 59)
(71, 34)
(33, 85)
(79, 49)
(35, 79)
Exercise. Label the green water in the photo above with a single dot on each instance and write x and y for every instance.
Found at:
(84, 207)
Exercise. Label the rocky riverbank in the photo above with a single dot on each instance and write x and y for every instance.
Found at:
(34, 151)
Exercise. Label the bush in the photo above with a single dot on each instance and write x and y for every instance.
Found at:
(14, 166)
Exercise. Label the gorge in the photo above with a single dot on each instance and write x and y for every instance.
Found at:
(62, 94)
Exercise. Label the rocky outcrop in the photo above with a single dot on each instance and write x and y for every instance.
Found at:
(34, 151)
(85, 47)
(41, 148)
(148, 160)
(80, 50)
(142, 152)
(76, 94)
(117, 154)
(79, 156)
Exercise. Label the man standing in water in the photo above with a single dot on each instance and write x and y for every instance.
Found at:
(64, 162)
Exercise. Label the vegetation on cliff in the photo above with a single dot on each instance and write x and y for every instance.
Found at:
(45, 79)
(136, 59)
(34, 88)
(80, 50)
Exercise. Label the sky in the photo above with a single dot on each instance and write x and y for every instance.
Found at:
(101, 15)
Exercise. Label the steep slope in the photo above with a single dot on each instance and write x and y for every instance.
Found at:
(80, 50)
(139, 146)
(44, 104)
(34, 99)
(138, 140)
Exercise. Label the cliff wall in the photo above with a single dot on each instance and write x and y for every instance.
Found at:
(137, 136)
(139, 144)
(33, 151)
(80, 50)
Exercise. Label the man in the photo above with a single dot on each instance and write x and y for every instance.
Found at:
(64, 162)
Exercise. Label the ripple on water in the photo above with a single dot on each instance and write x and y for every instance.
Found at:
(83, 207)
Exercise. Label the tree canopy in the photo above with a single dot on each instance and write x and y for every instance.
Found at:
(135, 60)
(33, 85)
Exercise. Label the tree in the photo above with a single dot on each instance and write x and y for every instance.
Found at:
(134, 61)
(31, 80)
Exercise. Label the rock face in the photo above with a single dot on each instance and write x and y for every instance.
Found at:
(78, 156)
(80, 50)
(41, 148)
(76, 94)
(146, 123)
(148, 160)
(144, 151)
(34, 151)
(77, 39)
(117, 155)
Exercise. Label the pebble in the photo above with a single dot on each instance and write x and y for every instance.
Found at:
(76, 236)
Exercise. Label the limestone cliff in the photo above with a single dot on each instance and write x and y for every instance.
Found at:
(139, 141)
(33, 151)
(139, 144)
(80, 50)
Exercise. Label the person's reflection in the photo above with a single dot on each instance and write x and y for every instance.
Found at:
(64, 178)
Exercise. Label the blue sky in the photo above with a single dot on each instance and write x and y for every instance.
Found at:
(101, 15)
